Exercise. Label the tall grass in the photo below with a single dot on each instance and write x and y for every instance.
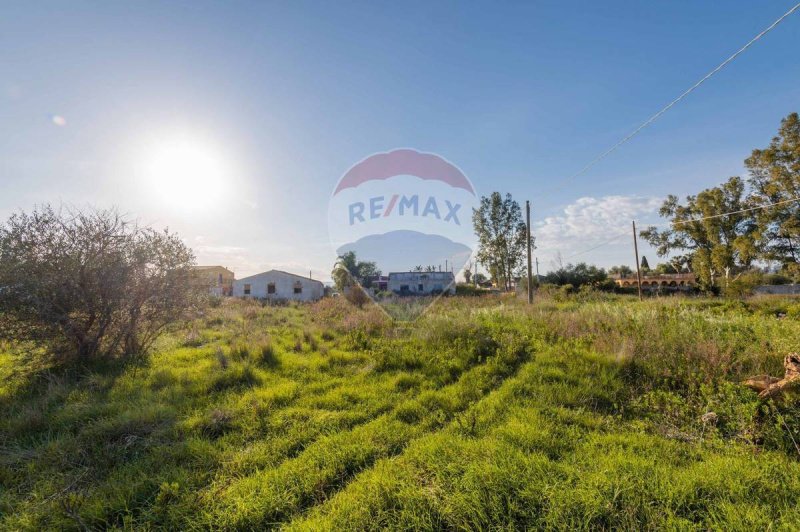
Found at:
(586, 411)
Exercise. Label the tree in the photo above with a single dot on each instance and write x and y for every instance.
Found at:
(622, 270)
(664, 268)
(577, 275)
(468, 273)
(479, 278)
(714, 239)
(91, 284)
(645, 266)
(775, 179)
(348, 271)
(502, 237)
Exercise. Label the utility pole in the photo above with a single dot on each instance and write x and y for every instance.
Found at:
(528, 233)
(638, 268)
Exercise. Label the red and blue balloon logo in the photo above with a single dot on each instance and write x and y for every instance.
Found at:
(404, 210)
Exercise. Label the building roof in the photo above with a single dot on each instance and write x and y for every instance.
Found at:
(303, 277)
(202, 268)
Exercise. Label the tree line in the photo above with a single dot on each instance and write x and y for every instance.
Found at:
(730, 229)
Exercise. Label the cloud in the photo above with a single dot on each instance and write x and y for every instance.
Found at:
(589, 222)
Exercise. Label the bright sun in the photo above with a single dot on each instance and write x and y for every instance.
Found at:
(187, 174)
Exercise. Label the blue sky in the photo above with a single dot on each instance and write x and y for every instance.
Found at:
(287, 96)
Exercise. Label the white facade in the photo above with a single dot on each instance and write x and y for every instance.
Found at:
(278, 285)
(422, 283)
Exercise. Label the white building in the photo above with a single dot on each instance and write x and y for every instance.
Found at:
(277, 285)
(422, 283)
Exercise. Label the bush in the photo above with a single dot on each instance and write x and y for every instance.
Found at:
(90, 284)
(468, 290)
(577, 275)
(777, 279)
(744, 284)
(356, 295)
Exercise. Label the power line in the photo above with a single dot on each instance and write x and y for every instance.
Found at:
(679, 98)
(732, 212)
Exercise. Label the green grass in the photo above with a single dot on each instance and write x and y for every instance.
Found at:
(580, 413)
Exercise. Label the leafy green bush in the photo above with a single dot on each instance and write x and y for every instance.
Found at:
(463, 289)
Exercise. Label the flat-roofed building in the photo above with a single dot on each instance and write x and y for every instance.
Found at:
(422, 283)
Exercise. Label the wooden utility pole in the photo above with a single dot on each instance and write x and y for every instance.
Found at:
(638, 269)
(528, 233)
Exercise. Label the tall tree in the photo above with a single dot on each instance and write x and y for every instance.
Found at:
(502, 237)
(775, 178)
(712, 239)
(645, 265)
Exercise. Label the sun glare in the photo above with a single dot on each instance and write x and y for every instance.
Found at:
(187, 174)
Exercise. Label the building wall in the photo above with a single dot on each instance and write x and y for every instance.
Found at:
(779, 289)
(284, 282)
(218, 278)
(652, 282)
(430, 281)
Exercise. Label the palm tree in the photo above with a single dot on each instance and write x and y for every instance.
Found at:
(348, 270)
(345, 271)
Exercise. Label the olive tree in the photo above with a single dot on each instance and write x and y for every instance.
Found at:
(89, 284)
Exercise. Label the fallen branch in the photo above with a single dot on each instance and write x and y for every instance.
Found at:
(773, 387)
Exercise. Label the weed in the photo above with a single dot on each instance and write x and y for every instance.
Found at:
(582, 411)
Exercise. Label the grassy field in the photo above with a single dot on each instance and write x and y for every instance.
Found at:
(583, 413)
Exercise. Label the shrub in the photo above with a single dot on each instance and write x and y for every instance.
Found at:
(743, 284)
(91, 284)
(356, 295)
(468, 290)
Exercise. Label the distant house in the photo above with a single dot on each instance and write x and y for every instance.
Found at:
(278, 285)
(379, 283)
(422, 283)
(218, 279)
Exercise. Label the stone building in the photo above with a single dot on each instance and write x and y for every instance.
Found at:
(657, 281)
(218, 278)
